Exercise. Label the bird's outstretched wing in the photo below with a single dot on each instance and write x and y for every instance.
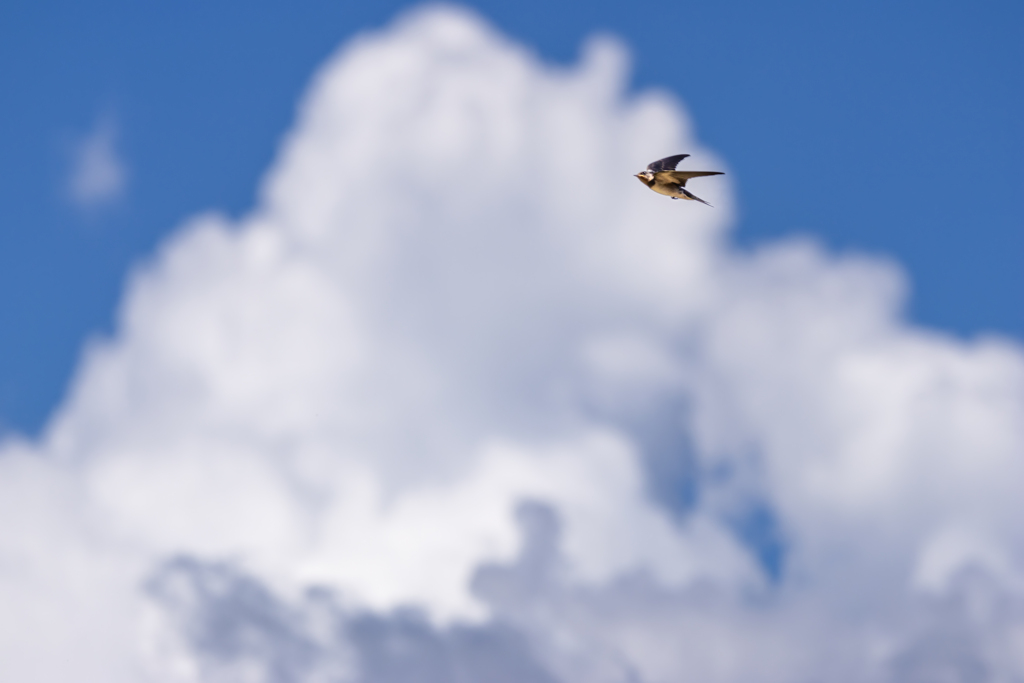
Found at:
(682, 176)
(666, 164)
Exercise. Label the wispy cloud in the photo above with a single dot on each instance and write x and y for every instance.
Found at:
(98, 175)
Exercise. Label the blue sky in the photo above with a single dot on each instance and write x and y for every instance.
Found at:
(891, 128)
(327, 426)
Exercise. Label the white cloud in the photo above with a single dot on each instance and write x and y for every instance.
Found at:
(98, 175)
(451, 298)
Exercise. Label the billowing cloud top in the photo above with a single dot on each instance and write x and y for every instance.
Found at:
(461, 400)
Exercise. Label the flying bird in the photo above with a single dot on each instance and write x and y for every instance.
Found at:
(662, 177)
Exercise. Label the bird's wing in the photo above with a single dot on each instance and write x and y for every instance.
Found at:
(666, 164)
(682, 176)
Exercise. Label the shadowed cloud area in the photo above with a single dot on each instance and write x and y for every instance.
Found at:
(228, 626)
(460, 400)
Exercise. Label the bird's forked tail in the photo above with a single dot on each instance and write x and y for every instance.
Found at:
(690, 195)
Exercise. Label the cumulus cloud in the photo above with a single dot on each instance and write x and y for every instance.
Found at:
(98, 174)
(429, 412)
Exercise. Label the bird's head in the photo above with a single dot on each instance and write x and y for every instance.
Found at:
(645, 177)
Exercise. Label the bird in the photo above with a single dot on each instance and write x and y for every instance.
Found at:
(662, 177)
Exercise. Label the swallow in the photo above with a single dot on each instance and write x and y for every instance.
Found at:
(662, 177)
